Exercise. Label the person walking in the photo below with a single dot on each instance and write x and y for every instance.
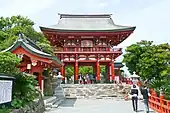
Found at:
(134, 94)
(146, 94)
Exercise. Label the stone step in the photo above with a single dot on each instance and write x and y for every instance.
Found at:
(57, 103)
(95, 90)
(49, 100)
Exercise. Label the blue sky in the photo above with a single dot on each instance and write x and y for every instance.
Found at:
(151, 17)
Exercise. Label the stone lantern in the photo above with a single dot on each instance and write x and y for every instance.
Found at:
(59, 93)
(59, 78)
(135, 78)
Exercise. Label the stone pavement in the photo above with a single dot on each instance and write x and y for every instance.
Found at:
(96, 106)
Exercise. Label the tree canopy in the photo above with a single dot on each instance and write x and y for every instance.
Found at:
(9, 63)
(11, 27)
(150, 62)
(24, 90)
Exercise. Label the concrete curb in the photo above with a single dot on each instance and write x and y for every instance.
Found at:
(52, 102)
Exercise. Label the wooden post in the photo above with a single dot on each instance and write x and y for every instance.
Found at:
(98, 70)
(153, 93)
(161, 102)
(112, 70)
(168, 106)
(76, 72)
(63, 72)
(40, 82)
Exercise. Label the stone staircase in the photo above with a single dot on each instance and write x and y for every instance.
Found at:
(95, 91)
(56, 100)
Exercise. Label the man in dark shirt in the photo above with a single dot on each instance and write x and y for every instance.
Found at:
(134, 94)
(146, 94)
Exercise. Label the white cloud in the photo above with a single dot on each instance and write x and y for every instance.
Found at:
(24, 7)
(152, 23)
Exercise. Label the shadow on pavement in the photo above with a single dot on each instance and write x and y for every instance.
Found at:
(68, 103)
(143, 111)
(140, 110)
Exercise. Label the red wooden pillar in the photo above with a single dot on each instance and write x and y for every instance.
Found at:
(76, 72)
(63, 72)
(98, 70)
(112, 70)
(161, 97)
(40, 80)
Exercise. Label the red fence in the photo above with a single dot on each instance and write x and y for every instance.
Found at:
(159, 104)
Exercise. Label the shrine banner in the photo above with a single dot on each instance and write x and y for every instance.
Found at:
(5, 91)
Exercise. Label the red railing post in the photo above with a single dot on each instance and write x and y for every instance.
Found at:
(153, 99)
(161, 102)
(168, 106)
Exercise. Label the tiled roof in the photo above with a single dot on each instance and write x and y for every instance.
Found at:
(100, 22)
(26, 45)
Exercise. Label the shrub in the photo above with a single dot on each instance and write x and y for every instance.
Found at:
(9, 63)
(24, 90)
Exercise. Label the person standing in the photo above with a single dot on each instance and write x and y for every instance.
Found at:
(146, 94)
(134, 94)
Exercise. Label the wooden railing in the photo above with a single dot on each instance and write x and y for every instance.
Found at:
(159, 104)
(90, 49)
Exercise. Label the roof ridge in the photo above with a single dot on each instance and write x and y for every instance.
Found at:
(84, 15)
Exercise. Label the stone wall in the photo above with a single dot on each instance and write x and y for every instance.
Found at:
(35, 107)
(96, 91)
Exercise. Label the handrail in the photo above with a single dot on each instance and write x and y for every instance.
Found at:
(159, 104)
(88, 49)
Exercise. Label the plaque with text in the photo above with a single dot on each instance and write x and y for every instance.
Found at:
(5, 91)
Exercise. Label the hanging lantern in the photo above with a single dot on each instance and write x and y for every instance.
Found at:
(28, 66)
(34, 62)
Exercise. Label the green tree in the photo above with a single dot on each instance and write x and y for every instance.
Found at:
(9, 63)
(153, 62)
(24, 90)
(147, 60)
(11, 27)
(85, 70)
(69, 71)
(133, 55)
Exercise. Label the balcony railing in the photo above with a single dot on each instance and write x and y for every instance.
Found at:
(88, 49)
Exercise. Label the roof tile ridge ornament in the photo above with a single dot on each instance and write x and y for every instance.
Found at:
(84, 15)
(22, 38)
